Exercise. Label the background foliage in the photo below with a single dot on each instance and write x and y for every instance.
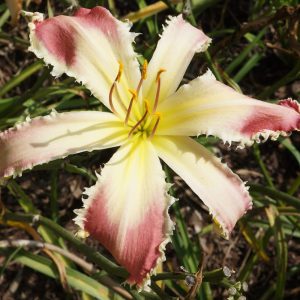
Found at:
(255, 50)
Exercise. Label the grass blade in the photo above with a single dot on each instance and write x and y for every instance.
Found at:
(15, 81)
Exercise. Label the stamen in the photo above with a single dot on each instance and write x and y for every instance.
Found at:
(141, 120)
(143, 76)
(155, 125)
(158, 80)
(133, 98)
(117, 79)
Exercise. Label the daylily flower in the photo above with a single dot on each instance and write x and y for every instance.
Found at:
(150, 119)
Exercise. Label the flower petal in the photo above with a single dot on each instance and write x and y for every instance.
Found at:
(126, 210)
(55, 136)
(218, 187)
(174, 52)
(89, 47)
(206, 106)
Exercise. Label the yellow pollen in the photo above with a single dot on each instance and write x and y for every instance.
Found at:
(133, 93)
(144, 69)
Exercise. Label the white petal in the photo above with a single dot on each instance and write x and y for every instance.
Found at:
(127, 209)
(55, 136)
(207, 106)
(89, 47)
(174, 52)
(216, 185)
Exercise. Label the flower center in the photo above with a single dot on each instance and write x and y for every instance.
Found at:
(147, 123)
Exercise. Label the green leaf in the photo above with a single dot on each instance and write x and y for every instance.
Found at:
(21, 77)
(75, 279)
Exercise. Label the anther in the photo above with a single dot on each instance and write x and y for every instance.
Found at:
(144, 69)
(158, 80)
(133, 98)
(143, 76)
(117, 79)
(140, 121)
(155, 125)
(133, 93)
(159, 73)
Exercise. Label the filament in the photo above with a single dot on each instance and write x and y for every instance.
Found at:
(155, 125)
(121, 67)
(133, 98)
(111, 98)
(117, 79)
(158, 81)
(143, 76)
